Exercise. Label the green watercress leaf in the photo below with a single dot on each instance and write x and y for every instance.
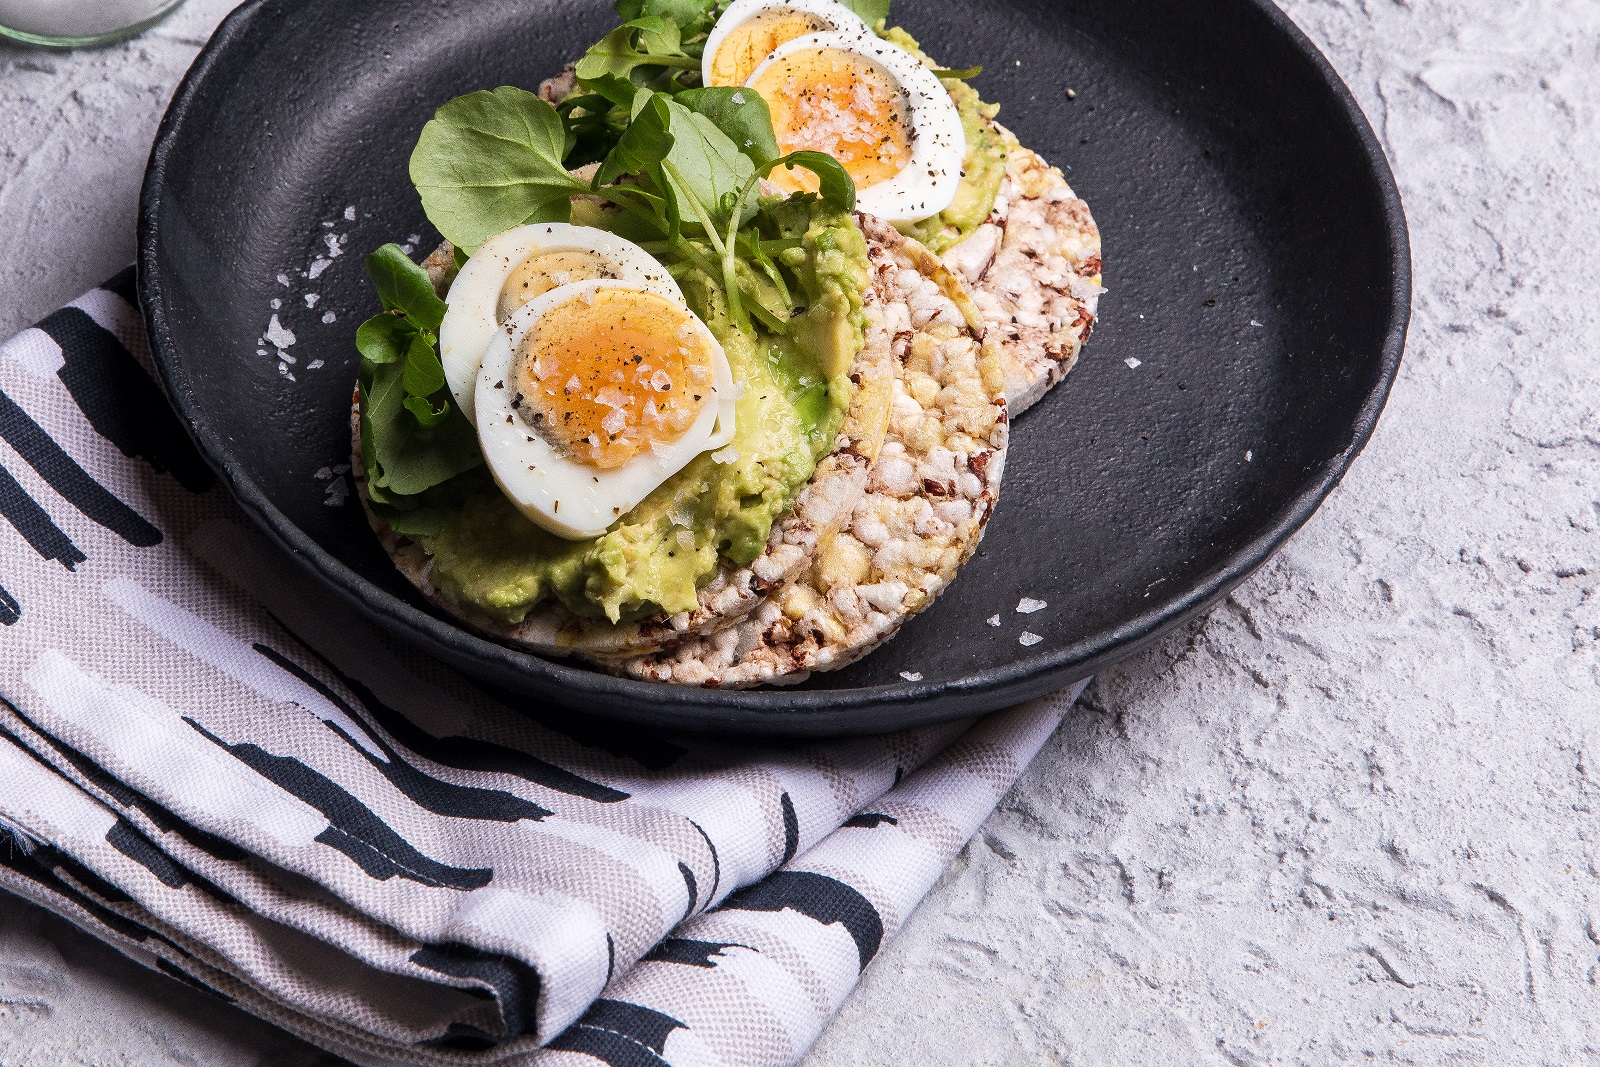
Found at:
(491, 160)
(404, 457)
(693, 17)
(838, 189)
(384, 338)
(404, 286)
(614, 90)
(739, 113)
(423, 375)
(658, 36)
(707, 162)
(649, 41)
(643, 145)
(425, 412)
(872, 12)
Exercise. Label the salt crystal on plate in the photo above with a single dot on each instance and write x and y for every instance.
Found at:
(911, 676)
(317, 267)
(993, 620)
(350, 213)
(312, 298)
(277, 335)
(314, 364)
(283, 279)
(1131, 362)
(328, 317)
(1027, 605)
(1253, 322)
(1029, 639)
(1249, 457)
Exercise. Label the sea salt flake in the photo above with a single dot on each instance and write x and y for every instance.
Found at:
(1027, 605)
(1132, 363)
(1253, 322)
(318, 265)
(277, 334)
(993, 620)
(335, 243)
(276, 303)
(911, 676)
(283, 279)
(350, 213)
(312, 298)
(328, 317)
(727, 455)
(315, 364)
(1029, 639)
(1249, 457)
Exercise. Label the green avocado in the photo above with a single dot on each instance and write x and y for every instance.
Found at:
(981, 172)
(490, 558)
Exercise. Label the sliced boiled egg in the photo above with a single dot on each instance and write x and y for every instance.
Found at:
(749, 31)
(513, 268)
(593, 394)
(873, 107)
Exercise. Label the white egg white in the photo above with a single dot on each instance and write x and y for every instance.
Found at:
(927, 184)
(568, 498)
(840, 18)
(470, 322)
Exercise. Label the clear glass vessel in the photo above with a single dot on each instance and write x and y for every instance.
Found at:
(76, 23)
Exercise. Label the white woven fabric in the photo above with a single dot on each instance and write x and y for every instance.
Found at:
(217, 768)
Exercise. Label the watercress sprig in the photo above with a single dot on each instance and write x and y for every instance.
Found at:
(684, 171)
(412, 435)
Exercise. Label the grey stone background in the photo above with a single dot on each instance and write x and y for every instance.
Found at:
(1349, 817)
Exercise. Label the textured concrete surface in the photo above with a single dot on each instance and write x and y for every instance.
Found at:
(1350, 817)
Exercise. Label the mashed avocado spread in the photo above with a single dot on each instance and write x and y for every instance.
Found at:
(490, 558)
(981, 172)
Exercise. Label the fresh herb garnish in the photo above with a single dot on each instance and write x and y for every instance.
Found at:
(872, 12)
(683, 172)
(489, 161)
(412, 435)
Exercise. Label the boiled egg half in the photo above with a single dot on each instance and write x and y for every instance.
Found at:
(513, 268)
(834, 86)
(592, 394)
(749, 31)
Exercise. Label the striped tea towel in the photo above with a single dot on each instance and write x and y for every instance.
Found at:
(211, 764)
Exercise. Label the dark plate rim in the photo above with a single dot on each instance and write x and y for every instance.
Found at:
(772, 710)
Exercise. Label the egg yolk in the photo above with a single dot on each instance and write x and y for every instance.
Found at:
(543, 271)
(838, 102)
(606, 376)
(756, 38)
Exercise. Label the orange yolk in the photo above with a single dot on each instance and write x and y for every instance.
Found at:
(834, 101)
(605, 376)
(753, 40)
(543, 271)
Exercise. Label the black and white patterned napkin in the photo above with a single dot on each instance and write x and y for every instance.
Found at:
(211, 764)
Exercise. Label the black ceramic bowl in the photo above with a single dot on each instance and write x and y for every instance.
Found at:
(1255, 251)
